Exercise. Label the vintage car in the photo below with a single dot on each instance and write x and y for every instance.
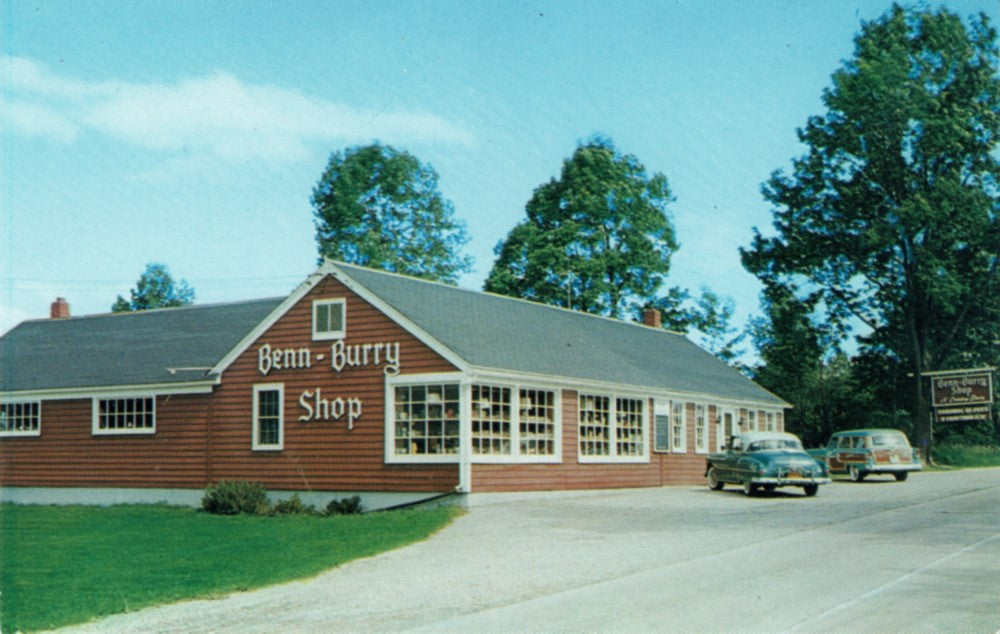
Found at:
(765, 460)
(860, 452)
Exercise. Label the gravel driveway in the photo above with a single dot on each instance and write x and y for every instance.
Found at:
(667, 559)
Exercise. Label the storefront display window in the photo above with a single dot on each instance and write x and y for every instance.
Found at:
(426, 420)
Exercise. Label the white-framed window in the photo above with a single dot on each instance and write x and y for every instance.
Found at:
(329, 319)
(506, 423)
(678, 427)
(268, 416)
(426, 419)
(491, 420)
(770, 421)
(751, 420)
(700, 429)
(537, 422)
(124, 415)
(21, 418)
(612, 429)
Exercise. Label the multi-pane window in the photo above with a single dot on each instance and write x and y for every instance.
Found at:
(20, 418)
(124, 415)
(751, 420)
(268, 416)
(611, 428)
(328, 319)
(491, 420)
(537, 423)
(595, 425)
(426, 419)
(700, 429)
(629, 417)
(678, 429)
(770, 421)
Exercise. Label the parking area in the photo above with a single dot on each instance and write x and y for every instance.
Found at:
(923, 555)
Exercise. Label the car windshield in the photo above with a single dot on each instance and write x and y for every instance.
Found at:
(775, 443)
(889, 440)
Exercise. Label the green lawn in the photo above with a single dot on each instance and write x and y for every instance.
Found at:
(69, 564)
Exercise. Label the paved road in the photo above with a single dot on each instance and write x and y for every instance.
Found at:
(919, 556)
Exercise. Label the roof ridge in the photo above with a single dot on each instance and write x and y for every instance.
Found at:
(571, 311)
(148, 311)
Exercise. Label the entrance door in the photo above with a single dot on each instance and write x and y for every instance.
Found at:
(726, 428)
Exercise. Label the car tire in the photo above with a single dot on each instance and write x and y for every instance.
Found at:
(749, 488)
(857, 475)
(901, 476)
(810, 489)
(714, 482)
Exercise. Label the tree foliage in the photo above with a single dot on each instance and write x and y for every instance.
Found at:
(597, 239)
(155, 289)
(890, 218)
(379, 207)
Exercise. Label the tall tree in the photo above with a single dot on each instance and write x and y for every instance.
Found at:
(597, 239)
(379, 207)
(155, 289)
(890, 218)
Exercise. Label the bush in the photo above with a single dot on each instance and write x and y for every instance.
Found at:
(345, 506)
(232, 498)
(293, 506)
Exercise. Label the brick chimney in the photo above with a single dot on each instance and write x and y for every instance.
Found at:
(651, 317)
(60, 309)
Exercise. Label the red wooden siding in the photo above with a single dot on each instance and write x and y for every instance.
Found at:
(67, 454)
(323, 455)
(662, 468)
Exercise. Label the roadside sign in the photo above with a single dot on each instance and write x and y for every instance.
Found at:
(962, 396)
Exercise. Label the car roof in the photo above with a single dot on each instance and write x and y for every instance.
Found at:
(751, 436)
(864, 432)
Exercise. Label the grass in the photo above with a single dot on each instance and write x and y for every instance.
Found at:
(967, 455)
(61, 565)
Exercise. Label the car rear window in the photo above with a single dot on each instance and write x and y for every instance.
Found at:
(889, 440)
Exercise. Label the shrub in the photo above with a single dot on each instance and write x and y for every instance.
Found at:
(233, 497)
(345, 506)
(293, 506)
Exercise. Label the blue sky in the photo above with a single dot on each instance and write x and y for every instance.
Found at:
(192, 133)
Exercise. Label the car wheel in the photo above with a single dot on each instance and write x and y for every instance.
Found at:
(857, 475)
(901, 476)
(811, 489)
(714, 482)
(768, 488)
(749, 488)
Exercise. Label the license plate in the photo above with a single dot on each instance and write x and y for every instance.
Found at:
(893, 458)
(794, 474)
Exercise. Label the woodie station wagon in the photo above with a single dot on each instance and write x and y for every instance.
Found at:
(860, 452)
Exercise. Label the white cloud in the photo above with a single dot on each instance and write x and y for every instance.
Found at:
(218, 115)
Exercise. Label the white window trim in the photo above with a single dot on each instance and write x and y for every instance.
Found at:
(267, 387)
(24, 434)
(613, 456)
(683, 435)
(465, 417)
(95, 415)
(333, 334)
(704, 448)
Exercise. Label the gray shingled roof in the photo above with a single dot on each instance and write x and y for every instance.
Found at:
(487, 331)
(138, 348)
(495, 332)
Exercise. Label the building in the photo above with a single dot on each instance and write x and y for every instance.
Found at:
(359, 382)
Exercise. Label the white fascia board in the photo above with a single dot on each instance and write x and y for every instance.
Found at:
(404, 322)
(300, 291)
(150, 389)
(477, 374)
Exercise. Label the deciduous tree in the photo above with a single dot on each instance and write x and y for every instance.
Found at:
(380, 207)
(155, 289)
(890, 219)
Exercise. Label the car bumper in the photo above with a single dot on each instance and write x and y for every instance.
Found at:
(892, 468)
(781, 482)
